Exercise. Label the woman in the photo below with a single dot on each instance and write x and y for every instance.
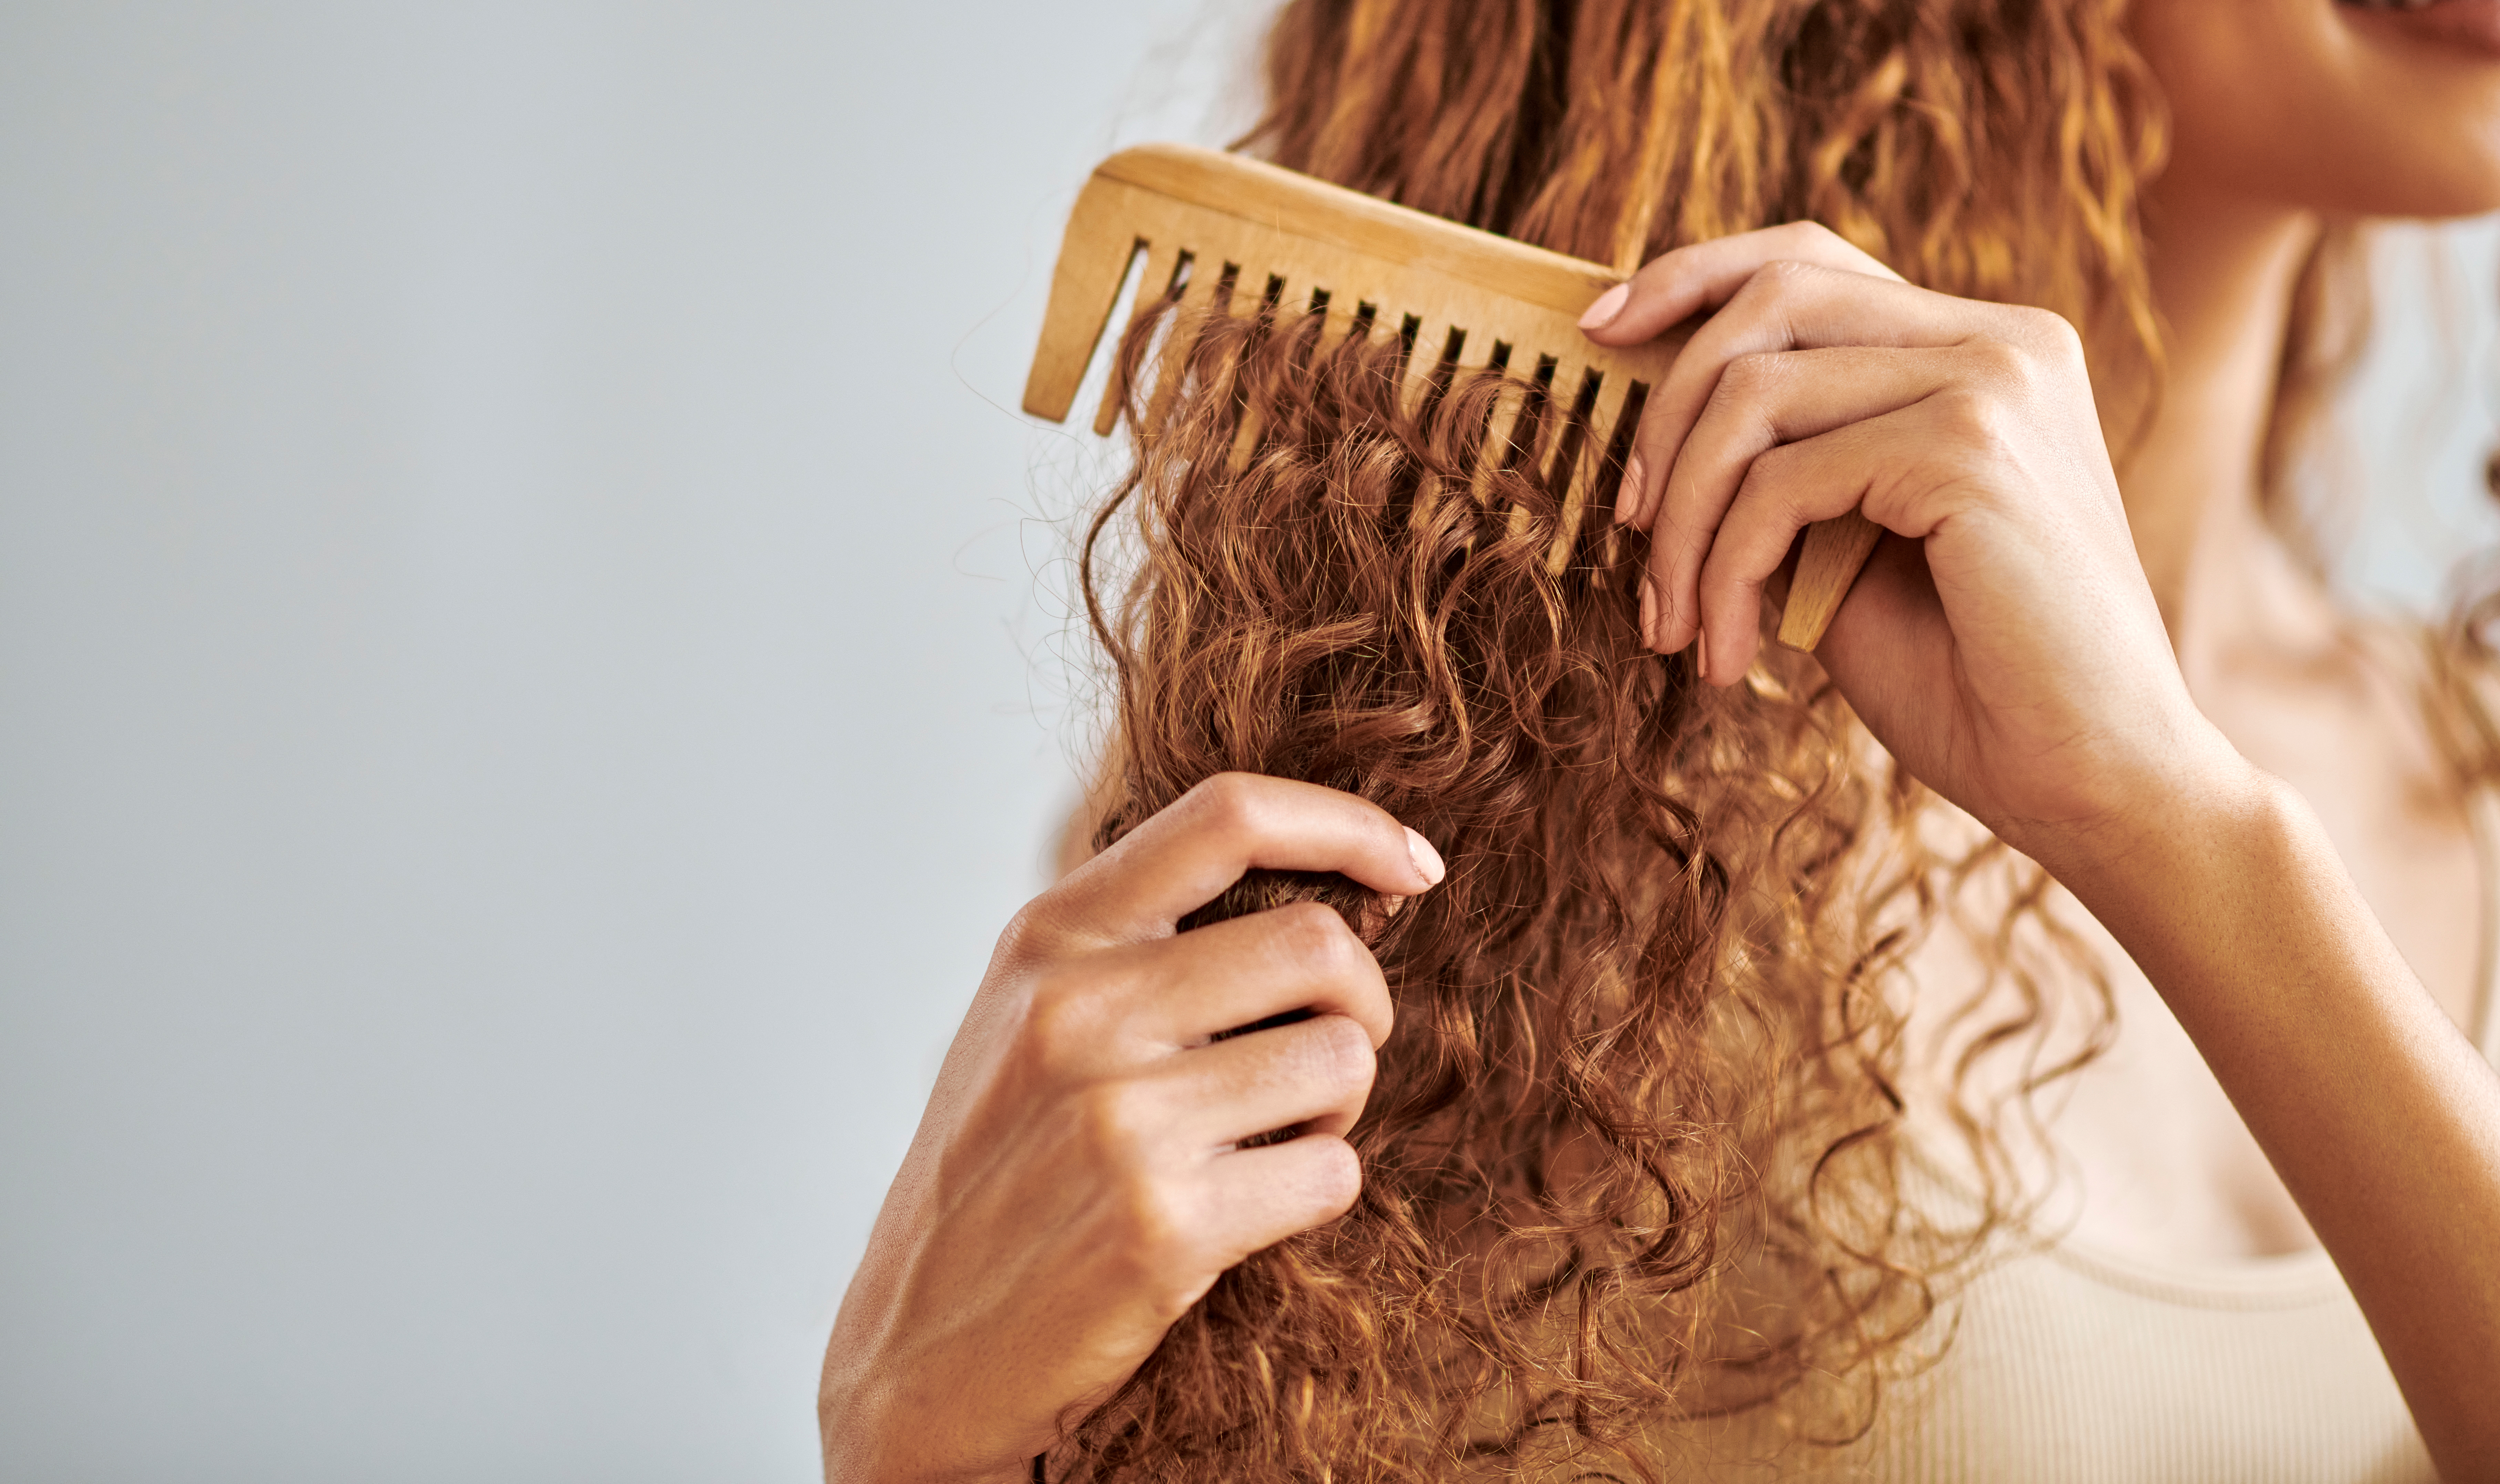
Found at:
(1715, 1045)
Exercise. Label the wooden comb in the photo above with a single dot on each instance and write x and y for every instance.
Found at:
(1216, 228)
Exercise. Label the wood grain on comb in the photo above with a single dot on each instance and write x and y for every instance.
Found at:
(1220, 231)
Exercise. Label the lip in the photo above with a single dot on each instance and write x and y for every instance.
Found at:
(2461, 25)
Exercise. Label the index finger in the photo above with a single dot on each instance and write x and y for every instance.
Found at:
(1187, 854)
(1674, 286)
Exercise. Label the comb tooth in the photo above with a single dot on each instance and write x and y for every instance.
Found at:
(1280, 298)
(1251, 427)
(1559, 394)
(1348, 322)
(1477, 354)
(1094, 258)
(1607, 412)
(1362, 322)
(1332, 319)
(1341, 321)
(1258, 291)
(1425, 359)
(1245, 438)
(1561, 400)
(1424, 363)
(1154, 285)
(1336, 318)
(1605, 422)
(1207, 273)
(1303, 272)
(1496, 450)
(1587, 465)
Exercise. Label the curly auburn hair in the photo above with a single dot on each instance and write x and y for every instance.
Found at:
(1633, 1153)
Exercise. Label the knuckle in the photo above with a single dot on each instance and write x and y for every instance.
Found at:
(2054, 333)
(1342, 1053)
(1748, 377)
(1771, 474)
(1227, 802)
(1786, 273)
(1335, 1176)
(1978, 427)
(1819, 242)
(1117, 1129)
(1314, 937)
(2035, 341)
(1156, 1236)
(1752, 302)
(1029, 932)
(1999, 361)
(1970, 414)
(1057, 1022)
(1727, 583)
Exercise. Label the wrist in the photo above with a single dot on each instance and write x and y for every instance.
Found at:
(873, 1435)
(2197, 832)
(2195, 790)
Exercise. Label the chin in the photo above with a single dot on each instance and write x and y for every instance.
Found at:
(2355, 108)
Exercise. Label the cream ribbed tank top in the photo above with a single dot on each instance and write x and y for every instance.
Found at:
(2070, 1363)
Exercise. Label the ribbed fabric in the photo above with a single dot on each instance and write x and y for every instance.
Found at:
(2067, 1366)
(2073, 1365)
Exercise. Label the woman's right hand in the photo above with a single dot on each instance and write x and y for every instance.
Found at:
(2005, 646)
(1077, 1180)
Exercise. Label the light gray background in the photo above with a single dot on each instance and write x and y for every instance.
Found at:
(531, 670)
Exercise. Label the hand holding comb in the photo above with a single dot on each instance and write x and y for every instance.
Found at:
(1466, 300)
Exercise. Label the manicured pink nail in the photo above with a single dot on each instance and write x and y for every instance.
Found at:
(1627, 498)
(1649, 615)
(1427, 861)
(1609, 303)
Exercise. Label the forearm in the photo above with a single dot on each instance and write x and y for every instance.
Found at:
(2382, 1120)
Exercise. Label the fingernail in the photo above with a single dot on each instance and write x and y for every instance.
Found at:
(1649, 615)
(1609, 303)
(1427, 861)
(1627, 498)
(1702, 655)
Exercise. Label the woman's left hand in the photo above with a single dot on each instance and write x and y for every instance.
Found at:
(2005, 646)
